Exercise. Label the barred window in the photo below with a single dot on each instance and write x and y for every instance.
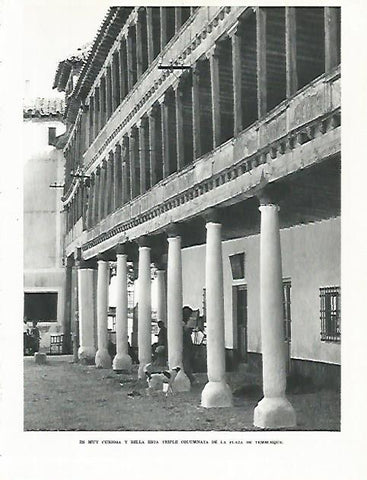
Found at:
(330, 314)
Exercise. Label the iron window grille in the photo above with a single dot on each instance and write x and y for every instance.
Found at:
(330, 314)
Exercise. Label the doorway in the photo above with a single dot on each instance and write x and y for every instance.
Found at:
(240, 313)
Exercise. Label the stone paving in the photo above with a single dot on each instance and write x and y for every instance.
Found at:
(61, 395)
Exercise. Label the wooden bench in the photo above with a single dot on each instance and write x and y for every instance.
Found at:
(56, 342)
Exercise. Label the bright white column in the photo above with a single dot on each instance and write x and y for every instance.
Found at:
(144, 309)
(216, 392)
(161, 296)
(274, 410)
(86, 351)
(122, 360)
(174, 313)
(103, 359)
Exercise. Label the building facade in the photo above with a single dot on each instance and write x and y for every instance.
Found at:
(44, 272)
(206, 140)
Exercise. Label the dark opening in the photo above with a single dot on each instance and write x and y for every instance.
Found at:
(170, 12)
(41, 306)
(310, 44)
(205, 105)
(172, 140)
(156, 21)
(187, 119)
(275, 56)
(225, 89)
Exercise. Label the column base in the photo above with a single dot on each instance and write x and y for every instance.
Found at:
(216, 394)
(274, 413)
(103, 359)
(86, 355)
(122, 362)
(141, 373)
(181, 383)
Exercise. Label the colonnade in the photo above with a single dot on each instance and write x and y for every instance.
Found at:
(235, 83)
(274, 410)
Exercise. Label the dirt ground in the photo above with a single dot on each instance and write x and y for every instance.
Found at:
(61, 395)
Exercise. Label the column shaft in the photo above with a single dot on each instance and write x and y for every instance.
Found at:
(196, 113)
(214, 78)
(103, 359)
(150, 35)
(237, 82)
(332, 47)
(179, 129)
(261, 61)
(165, 139)
(86, 352)
(144, 310)
(161, 296)
(122, 360)
(273, 410)
(152, 148)
(142, 155)
(216, 392)
(291, 51)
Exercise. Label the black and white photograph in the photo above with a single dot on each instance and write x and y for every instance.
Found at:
(181, 232)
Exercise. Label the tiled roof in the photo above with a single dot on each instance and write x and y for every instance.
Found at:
(43, 107)
(74, 61)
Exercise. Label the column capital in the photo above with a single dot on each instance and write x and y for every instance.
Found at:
(98, 171)
(110, 155)
(174, 230)
(121, 249)
(271, 193)
(87, 264)
(103, 257)
(213, 215)
(162, 99)
(144, 241)
(117, 149)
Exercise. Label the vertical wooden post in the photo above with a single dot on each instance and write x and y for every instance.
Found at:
(214, 80)
(196, 111)
(291, 51)
(261, 61)
(165, 139)
(150, 35)
(237, 81)
(332, 47)
(139, 48)
(142, 156)
(122, 69)
(152, 147)
(179, 126)
(163, 26)
(129, 55)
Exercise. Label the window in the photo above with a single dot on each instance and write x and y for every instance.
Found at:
(237, 266)
(330, 314)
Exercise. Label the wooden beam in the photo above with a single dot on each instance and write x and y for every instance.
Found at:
(215, 95)
(291, 51)
(332, 46)
(153, 131)
(196, 112)
(179, 126)
(261, 61)
(237, 82)
(150, 35)
(163, 11)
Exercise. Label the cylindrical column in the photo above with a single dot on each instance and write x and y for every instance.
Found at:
(274, 410)
(87, 351)
(103, 359)
(122, 360)
(144, 307)
(161, 296)
(216, 392)
(174, 312)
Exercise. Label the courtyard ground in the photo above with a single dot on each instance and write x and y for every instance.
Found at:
(62, 395)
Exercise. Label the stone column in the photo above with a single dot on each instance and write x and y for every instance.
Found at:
(102, 190)
(163, 15)
(108, 191)
(129, 56)
(96, 196)
(91, 120)
(96, 112)
(161, 295)
(139, 47)
(109, 108)
(123, 69)
(103, 359)
(174, 310)
(291, 51)
(144, 306)
(86, 351)
(132, 163)
(216, 392)
(122, 360)
(150, 35)
(91, 198)
(165, 137)
(261, 48)
(274, 410)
